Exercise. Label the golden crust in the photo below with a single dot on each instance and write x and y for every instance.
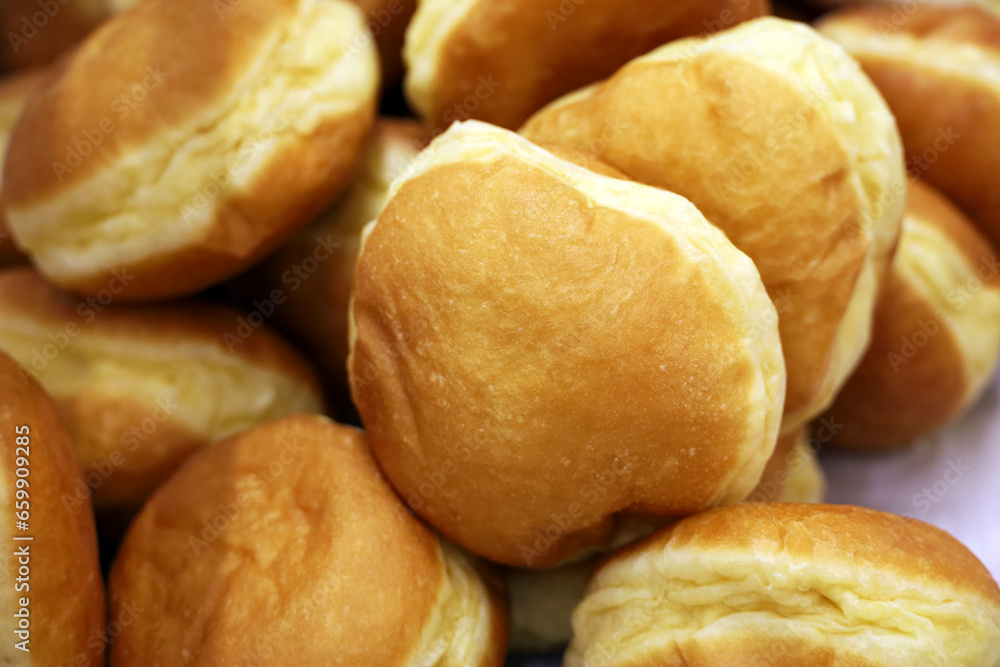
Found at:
(14, 93)
(227, 137)
(938, 68)
(315, 303)
(386, 21)
(285, 546)
(936, 332)
(66, 594)
(780, 140)
(480, 58)
(142, 388)
(489, 365)
(791, 584)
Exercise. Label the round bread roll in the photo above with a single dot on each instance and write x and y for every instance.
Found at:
(222, 127)
(936, 337)
(789, 585)
(142, 388)
(936, 67)
(284, 546)
(538, 350)
(35, 32)
(51, 594)
(793, 474)
(14, 92)
(501, 61)
(776, 135)
(386, 21)
(307, 282)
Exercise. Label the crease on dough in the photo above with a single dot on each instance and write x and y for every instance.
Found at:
(460, 630)
(934, 266)
(689, 596)
(218, 393)
(184, 158)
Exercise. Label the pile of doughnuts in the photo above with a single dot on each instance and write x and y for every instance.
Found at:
(581, 282)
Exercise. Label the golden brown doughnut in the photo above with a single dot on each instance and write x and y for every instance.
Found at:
(501, 61)
(938, 68)
(523, 326)
(788, 585)
(307, 282)
(202, 134)
(386, 21)
(51, 593)
(284, 546)
(776, 135)
(14, 92)
(142, 388)
(936, 333)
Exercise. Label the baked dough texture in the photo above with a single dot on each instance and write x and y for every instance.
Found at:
(312, 274)
(284, 546)
(780, 140)
(936, 336)
(499, 61)
(938, 68)
(141, 389)
(201, 135)
(790, 585)
(538, 350)
(56, 572)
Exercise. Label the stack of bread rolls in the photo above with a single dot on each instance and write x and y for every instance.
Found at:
(589, 286)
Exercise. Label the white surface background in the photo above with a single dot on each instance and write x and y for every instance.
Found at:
(916, 482)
